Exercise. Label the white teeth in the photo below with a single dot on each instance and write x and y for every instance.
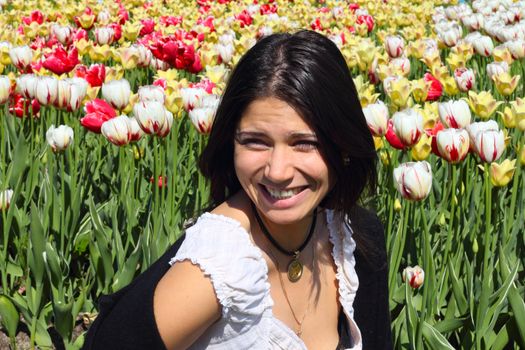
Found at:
(277, 194)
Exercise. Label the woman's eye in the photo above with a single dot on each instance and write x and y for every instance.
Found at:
(253, 143)
(306, 145)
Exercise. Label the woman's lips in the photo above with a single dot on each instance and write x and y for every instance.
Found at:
(285, 202)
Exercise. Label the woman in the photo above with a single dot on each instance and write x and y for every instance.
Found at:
(274, 265)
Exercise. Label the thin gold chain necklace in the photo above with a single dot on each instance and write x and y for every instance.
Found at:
(299, 329)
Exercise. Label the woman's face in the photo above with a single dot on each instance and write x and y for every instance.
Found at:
(278, 162)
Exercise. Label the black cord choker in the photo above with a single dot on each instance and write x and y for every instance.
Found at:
(295, 267)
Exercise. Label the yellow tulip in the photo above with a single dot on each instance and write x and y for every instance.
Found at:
(399, 91)
(128, 57)
(131, 30)
(508, 118)
(416, 48)
(114, 73)
(449, 85)
(217, 74)
(420, 90)
(132, 100)
(518, 111)
(501, 174)
(4, 55)
(522, 154)
(456, 61)
(86, 20)
(430, 114)
(83, 46)
(432, 59)
(385, 157)
(440, 72)
(482, 104)
(100, 53)
(502, 54)
(464, 49)
(505, 83)
(421, 150)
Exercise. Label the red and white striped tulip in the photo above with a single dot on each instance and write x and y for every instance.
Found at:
(71, 93)
(414, 276)
(21, 56)
(117, 130)
(483, 45)
(26, 85)
(104, 35)
(151, 116)
(151, 93)
(59, 138)
(474, 128)
(465, 79)
(5, 199)
(454, 113)
(408, 126)
(136, 131)
(191, 97)
(47, 90)
(64, 34)
(516, 48)
(413, 180)
(376, 115)
(489, 145)
(394, 45)
(117, 93)
(453, 144)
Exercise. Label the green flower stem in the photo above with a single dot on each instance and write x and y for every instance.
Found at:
(63, 205)
(399, 246)
(488, 224)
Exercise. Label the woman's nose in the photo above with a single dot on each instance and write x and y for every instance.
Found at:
(279, 167)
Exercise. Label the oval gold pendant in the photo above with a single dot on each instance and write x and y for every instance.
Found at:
(295, 270)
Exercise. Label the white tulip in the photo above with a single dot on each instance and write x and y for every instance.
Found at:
(5, 88)
(59, 138)
(376, 115)
(47, 90)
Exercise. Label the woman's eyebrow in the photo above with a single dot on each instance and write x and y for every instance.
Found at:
(249, 134)
(299, 135)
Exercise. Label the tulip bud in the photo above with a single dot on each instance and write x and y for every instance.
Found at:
(522, 154)
(59, 138)
(489, 145)
(397, 205)
(5, 199)
(454, 114)
(5, 88)
(408, 126)
(414, 276)
(465, 78)
(413, 180)
(501, 174)
(376, 115)
(475, 246)
(117, 93)
(453, 144)
(117, 130)
(394, 45)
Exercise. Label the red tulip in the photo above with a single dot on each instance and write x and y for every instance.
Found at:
(436, 89)
(19, 106)
(94, 75)
(244, 18)
(98, 111)
(148, 26)
(118, 31)
(60, 61)
(368, 20)
(35, 16)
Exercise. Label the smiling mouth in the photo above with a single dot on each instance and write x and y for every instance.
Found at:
(283, 194)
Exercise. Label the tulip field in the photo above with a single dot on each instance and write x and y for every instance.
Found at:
(105, 107)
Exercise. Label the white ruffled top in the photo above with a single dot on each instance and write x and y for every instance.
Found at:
(224, 251)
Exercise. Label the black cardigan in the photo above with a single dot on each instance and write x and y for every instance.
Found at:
(126, 319)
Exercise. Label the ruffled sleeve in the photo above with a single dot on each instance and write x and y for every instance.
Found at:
(222, 249)
(343, 254)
